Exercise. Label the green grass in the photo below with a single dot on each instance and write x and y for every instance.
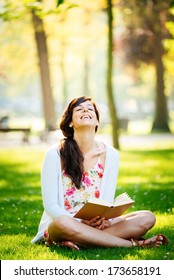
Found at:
(147, 175)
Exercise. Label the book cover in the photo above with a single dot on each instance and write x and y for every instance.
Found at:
(99, 207)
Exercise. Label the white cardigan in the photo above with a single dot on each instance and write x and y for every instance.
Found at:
(52, 188)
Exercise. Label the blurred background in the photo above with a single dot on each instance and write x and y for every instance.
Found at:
(121, 53)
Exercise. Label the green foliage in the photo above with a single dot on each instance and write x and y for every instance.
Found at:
(172, 3)
(147, 176)
(59, 2)
(143, 19)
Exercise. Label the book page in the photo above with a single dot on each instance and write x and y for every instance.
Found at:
(122, 199)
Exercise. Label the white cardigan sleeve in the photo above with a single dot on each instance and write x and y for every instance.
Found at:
(50, 182)
(108, 186)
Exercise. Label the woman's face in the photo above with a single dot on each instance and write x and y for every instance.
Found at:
(84, 115)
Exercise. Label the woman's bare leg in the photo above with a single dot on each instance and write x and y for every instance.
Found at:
(123, 229)
(67, 228)
(133, 225)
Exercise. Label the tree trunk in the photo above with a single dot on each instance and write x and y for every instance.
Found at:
(48, 102)
(161, 110)
(111, 103)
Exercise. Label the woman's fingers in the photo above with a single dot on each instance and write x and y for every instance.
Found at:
(97, 221)
(105, 224)
(93, 221)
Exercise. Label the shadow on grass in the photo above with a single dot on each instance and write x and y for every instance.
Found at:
(153, 253)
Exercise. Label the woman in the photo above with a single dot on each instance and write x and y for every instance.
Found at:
(81, 168)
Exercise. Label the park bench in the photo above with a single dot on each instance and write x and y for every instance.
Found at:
(4, 128)
(26, 131)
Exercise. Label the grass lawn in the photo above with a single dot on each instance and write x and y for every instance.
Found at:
(147, 176)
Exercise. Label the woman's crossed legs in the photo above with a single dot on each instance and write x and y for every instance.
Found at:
(121, 233)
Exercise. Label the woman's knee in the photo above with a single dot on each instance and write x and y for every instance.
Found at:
(64, 225)
(147, 219)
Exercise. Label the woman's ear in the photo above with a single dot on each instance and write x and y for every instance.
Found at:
(71, 124)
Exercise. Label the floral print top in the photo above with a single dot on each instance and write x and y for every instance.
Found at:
(75, 198)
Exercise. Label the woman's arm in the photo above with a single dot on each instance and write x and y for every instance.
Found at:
(111, 168)
(51, 170)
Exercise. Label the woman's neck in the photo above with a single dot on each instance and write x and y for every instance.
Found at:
(85, 142)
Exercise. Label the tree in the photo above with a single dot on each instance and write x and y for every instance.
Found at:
(11, 11)
(48, 102)
(161, 119)
(111, 102)
(143, 42)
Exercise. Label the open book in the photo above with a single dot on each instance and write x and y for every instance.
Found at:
(99, 207)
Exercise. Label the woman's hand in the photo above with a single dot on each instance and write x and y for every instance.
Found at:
(105, 224)
(97, 222)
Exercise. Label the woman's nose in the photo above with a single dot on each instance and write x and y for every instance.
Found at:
(85, 109)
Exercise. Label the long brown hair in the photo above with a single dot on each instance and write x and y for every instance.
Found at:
(71, 155)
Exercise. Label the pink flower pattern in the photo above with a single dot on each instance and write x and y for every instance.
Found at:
(70, 191)
(74, 198)
(86, 181)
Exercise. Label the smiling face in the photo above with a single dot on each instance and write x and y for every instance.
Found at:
(84, 114)
(80, 111)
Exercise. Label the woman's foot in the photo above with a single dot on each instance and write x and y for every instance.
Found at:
(155, 241)
(69, 244)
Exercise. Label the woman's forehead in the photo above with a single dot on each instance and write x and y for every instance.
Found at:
(87, 102)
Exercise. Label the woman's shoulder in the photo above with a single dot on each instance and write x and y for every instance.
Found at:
(101, 147)
(110, 150)
(53, 151)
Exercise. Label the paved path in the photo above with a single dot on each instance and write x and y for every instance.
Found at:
(126, 141)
